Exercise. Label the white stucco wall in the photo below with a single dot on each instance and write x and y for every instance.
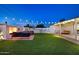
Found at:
(42, 30)
(3, 30)
(55, 29)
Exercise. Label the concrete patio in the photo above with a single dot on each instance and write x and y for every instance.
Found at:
(72, 38)
(22, 38)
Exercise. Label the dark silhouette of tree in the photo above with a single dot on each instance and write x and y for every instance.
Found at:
(40, 26)
(29, 26)
(61, 20)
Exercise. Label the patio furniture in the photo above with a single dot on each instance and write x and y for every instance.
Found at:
(65, 32)
(77, 31)
(20, 34)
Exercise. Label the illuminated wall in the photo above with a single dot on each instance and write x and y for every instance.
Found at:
(12, 29)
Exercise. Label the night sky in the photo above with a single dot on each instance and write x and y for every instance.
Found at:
(33, 14)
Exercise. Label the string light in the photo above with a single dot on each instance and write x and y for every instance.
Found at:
(13, 19)
(20, 19)
(32, 22)
(6, 17)
(49, 22)
(26, 20)
(52, 22)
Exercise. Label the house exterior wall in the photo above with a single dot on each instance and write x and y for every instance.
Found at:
(12, 29)
(56, 29)
(6, 30)
(68, 26)
(3, 31)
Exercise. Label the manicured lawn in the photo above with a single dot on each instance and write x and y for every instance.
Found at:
(42, 44)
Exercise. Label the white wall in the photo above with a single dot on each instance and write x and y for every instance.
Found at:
(55, 29)
(3, 30)
(43, 30)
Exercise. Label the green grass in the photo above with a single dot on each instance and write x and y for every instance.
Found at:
(45, 44)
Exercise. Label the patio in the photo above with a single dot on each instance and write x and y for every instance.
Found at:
(23, 38)
(68, 29)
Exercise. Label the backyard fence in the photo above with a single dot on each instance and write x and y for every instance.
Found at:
(43, 30)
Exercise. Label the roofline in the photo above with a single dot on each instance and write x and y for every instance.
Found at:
(8, 25)
(66, 21)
